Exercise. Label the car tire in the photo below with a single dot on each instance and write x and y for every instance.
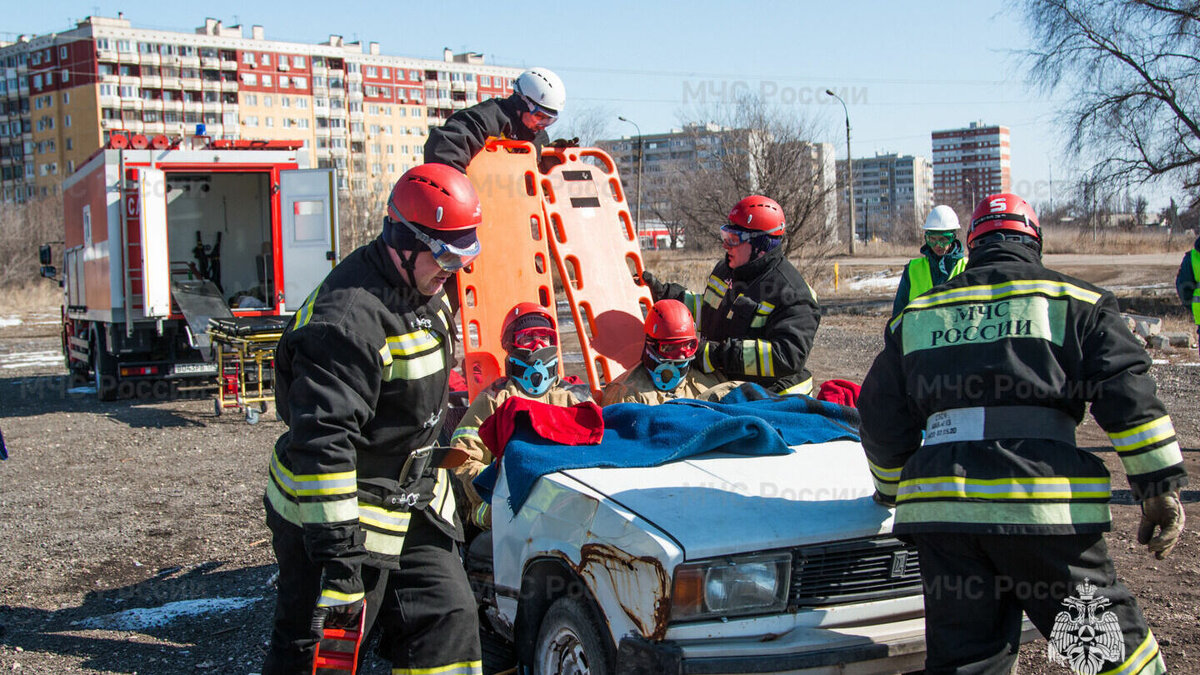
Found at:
(570, 641)
(104, 368)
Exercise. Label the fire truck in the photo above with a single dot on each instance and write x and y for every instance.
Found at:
(161, 236)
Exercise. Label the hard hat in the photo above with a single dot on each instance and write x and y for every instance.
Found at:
(759, 214)
(1004, 212)
(671, 343)
(541, 88)
(941, 219)
(435, 197)
(523, 315)
(670, 320)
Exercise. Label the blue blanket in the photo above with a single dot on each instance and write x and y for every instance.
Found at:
(637, 435)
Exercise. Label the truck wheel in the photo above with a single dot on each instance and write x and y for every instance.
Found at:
(569, 641)
(104, 369)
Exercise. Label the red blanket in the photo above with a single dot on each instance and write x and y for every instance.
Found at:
(580, 424)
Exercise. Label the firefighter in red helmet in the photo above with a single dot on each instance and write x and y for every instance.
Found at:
(757, 315)
(361, 382)
(968, 421)
(530, 339)
(668, 355)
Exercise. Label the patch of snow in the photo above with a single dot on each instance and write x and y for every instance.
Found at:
(1159, 362)
(875, 283)
(31, 359)
(154, 617)
(5, 322)
(89, 389)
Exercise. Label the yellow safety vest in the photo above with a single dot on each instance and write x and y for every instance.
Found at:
(920, 277)
(1195, 256)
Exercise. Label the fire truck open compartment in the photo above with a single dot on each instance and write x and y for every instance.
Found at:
(219, 229)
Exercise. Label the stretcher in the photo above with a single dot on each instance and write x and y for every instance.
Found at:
(244, 349)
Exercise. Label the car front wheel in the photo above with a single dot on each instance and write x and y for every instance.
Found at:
(570, 642)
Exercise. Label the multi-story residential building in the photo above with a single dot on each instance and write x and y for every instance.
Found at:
(666, 154)
(971, 163)
(891, 193)
(62, 95)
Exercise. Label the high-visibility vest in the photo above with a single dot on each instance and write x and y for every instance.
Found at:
(920, 277)
(1195, 256)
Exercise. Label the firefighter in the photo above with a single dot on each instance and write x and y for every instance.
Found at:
(529, 338)
(361, 382)
(537, 99)
(996, 367)
(1187, 282)
(665, 372)
(942, 257)
(758, 316)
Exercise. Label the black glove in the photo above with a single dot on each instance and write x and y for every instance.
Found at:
(657, 288)
(1163, 513)
(565, 142)
(340, 604)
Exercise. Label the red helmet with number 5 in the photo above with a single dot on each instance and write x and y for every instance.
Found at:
(1003, 212)
(759, 214)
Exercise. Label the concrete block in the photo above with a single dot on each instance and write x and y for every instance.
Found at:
(1145, 325)
(1183, 340)
(1157, 342)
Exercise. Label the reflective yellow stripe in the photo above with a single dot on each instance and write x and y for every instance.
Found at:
(464, 432)
(1004, 513)
(1054, 487)
(892, 475)
(386, 355)
(1055, 289)
(1154, 460)
(306, 310)
(412, 343)
(804, 387)
(385, 544)
(300, 513)
(376, 516)
(1143, 434)
(443, 497)
(414, 369)
(1146, 654)
(309, 485)
(707, 362)
(333, 598)
(750, 357)
(761, 315)
(461, 668)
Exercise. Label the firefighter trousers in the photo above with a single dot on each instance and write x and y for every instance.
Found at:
(425, 611)
(976, 587)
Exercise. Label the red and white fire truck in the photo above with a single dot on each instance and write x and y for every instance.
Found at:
(160, 236)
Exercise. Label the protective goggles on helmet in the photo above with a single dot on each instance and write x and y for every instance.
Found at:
(449, 258)
(535, 338)
(734, 236)
(539, 111)
(677, 350)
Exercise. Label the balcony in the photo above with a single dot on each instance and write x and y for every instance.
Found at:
(110, 78)
(131, 103)
(319, 70)
(152, 104)
(108, 124)
(356, 116)
(356, 76)
(212, 106)
(192, 83)
(193, 106)
(227, 64)
(106, 55)
(340, 152)
(458, 85)
(152, 82)
(133, 126)
(339, 132)
(189, 61)
(210, 62)
(173, 106)
(459, 105)
(214, 130)
(229, 85)
(211, 85)
(171, 59)
(131, 80)
(358, 136)
(154, 128)
(172, 83)
(151, 59)
(355, 95)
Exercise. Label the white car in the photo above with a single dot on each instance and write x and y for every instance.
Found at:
(716, 564)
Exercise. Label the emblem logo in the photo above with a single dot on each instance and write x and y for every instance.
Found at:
(1083, 637)
(899, 563)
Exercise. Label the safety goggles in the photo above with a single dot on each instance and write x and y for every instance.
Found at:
(535, 338)
(449, 258)
(677, 350)
(732, 236)
(939, 239)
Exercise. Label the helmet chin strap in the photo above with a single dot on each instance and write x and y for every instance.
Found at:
(406, 263)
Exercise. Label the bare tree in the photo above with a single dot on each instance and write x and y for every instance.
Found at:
(360, 217)
(24, 227)
(753, 148)
(1132, 68)
(587, 123)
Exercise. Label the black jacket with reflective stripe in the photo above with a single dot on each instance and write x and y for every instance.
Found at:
(466, 132)
(361, 381)
(1008, 331)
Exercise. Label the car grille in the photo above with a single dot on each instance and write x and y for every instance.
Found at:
(854, 571)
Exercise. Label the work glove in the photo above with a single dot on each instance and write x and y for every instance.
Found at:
(657, 288)
(340, 604)
(1165, 512)
(482, 516)
(565, 142)
(884, 500)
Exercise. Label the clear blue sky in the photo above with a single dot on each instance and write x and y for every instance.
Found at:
(906, 68)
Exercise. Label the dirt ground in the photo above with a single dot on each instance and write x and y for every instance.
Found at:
(133, 539)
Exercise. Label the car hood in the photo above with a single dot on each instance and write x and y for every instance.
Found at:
(719, 503)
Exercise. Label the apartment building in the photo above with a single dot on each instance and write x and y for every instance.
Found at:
(892, 193)
(62, 95)
(971, 163)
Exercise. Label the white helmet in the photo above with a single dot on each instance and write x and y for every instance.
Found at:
(541, 87)
(942, 218)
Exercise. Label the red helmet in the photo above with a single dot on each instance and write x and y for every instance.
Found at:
(671, 330)
(523, 315)
(436, 197)
(1003, 212)
(758, 213)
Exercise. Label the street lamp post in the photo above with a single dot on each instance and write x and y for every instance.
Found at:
(849, 168)
(637, 215)
(971, 185)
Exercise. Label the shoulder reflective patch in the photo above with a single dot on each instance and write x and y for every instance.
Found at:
(715, 292)
(761, 315)
(1053, 289)
(1034, 317)
(305, 313)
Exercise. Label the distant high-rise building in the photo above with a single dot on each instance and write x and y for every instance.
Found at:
(971, 163)
(891, 192)
(667, 154)
(362, 112)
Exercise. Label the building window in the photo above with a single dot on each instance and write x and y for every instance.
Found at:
(66, 120)
(372, 71)
(283, 80)
(297, 61)
(248, 58)
(384, 72)
(62, 52)
(300, 82)
(250, 79)
(266, 81)
(265, 59)
(65, 75)
(268, 101)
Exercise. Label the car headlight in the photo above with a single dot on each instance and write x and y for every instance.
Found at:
(731, 586)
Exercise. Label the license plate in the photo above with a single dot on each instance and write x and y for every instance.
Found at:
(194, 369)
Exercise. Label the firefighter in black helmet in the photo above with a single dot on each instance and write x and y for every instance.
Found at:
(361, 382)
(996, 368)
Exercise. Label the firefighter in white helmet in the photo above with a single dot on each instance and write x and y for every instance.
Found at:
(537, 99)
(942, 258)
